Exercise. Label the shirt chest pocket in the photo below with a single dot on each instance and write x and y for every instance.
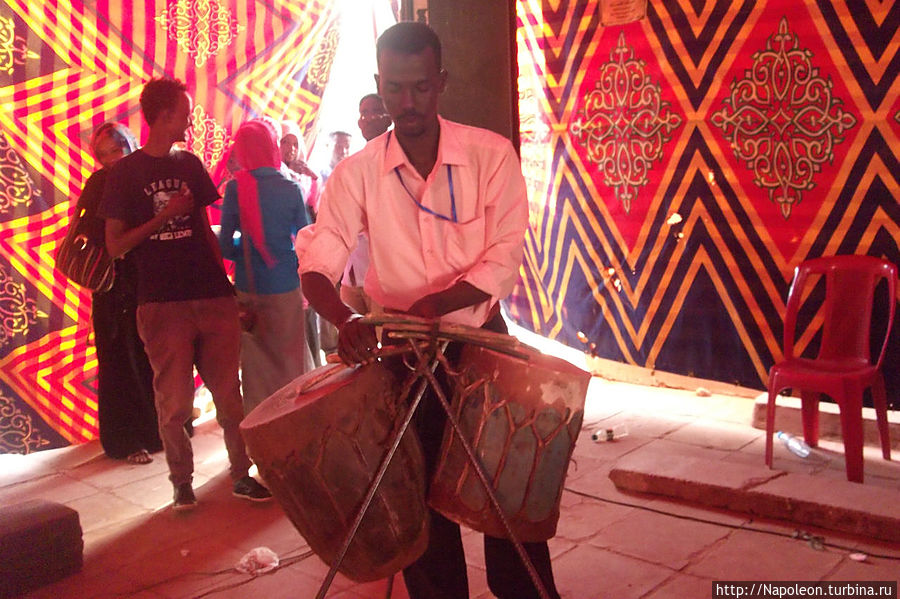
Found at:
(464, 243)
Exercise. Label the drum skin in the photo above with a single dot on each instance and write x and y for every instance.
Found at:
(319, 449)
(522, 417)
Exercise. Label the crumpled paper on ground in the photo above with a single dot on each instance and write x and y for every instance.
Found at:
(257, 561)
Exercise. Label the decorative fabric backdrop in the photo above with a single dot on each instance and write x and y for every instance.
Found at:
(682, 166)
(65, 67)
(679, 167)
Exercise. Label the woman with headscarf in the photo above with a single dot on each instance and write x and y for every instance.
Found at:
(264, 209)
(126, 412)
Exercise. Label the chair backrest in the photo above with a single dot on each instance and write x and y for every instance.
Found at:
(850, 283)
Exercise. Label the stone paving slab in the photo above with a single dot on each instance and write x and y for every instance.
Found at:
(713, 483)
(787, 418)
(832, 504)
(802, 499)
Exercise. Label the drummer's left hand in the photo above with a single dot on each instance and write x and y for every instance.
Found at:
(461, 294)
(429, 306)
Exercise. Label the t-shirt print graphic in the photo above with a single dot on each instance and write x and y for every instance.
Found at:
(177, 227)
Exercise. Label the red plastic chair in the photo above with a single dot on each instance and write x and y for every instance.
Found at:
(843, 368)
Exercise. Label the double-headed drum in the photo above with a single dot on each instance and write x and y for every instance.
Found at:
(522, 415)
(319, 445)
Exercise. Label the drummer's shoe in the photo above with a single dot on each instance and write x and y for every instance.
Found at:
(184, 498)
(248, 488)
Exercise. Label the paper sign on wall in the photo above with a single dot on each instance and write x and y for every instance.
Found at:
(620, 12)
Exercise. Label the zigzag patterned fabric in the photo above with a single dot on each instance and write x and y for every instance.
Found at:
(66, 67)
(681, 166)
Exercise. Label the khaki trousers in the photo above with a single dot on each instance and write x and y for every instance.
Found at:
(178, 336)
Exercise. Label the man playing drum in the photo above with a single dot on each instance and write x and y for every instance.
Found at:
(445, 210)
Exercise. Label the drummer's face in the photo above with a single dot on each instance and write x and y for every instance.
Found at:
(410, 85)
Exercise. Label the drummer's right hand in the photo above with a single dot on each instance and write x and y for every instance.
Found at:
(356, 341)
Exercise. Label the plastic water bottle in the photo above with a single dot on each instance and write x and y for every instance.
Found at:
(609, 434)
(795, 445)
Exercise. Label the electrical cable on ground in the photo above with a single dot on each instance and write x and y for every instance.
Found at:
(817, 542)
(283, 563)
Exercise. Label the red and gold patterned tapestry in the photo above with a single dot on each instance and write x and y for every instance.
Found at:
(65, 67)
(681, 166)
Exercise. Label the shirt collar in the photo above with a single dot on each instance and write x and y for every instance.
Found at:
(450, 150)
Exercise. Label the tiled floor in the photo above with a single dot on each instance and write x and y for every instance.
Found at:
(609, 544)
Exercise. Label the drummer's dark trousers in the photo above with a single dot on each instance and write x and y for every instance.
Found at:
(441, 571)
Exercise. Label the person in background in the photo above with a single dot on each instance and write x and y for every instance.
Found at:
(155, 203)
(445, 209)
(293, 162)
(264, 209)
(373, 117)
(373, 121)
(339, 148)
(293, 166)
(339, 143)
(126, 412)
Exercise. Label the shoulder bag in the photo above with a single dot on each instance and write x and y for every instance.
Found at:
(83, 260)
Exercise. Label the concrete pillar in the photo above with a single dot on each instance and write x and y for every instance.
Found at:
(479, 52)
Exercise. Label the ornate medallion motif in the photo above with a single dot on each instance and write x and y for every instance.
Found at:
(782, 119)
(17, 433)
(199, 27)
(16, 186)
(207, 138)
(624, 123)
(17, 312)
(320, 65)
(13, 48)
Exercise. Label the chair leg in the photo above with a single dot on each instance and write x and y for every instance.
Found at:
(879, 401)
(770, 424)
(809, 412)
(851, 431)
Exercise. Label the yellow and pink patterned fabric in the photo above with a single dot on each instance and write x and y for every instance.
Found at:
(66, 67)
(681, 166)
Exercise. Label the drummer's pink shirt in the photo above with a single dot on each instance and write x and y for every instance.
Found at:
(412, 252)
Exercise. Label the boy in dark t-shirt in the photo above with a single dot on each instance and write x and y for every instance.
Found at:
(176, 262)
(155, 207)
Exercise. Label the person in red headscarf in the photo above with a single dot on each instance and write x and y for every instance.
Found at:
(261, 214)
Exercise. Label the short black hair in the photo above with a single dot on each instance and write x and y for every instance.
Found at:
(160, 95)
(409, 37)
(370, 97)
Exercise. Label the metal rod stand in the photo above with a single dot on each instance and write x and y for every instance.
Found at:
(479, 471)
(379, 475)
(425, 376)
